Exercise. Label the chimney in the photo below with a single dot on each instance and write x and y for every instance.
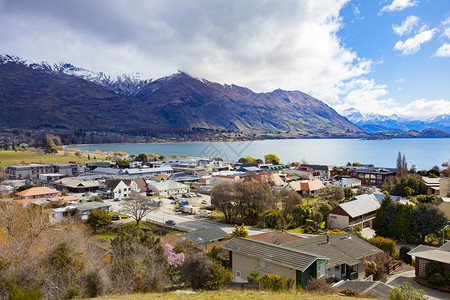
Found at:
(328, 238)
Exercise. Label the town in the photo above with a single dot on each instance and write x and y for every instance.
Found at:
(342, 228)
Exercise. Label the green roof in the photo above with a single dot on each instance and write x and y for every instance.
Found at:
(198, 237)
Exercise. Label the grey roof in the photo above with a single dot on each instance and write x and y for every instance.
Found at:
(361, 205)
(445, 247)
(201, 236)
(431, 253)
(102, 170)
(340, 250)
(92, 205)
(378, 288)
(277, 254)
(318, 167)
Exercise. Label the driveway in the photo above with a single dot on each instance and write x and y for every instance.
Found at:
(408, 276)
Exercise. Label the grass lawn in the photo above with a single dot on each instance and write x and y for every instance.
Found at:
(230, 294)
(103, 236)
(8, 158)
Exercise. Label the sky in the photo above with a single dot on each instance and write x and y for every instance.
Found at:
(377, 56)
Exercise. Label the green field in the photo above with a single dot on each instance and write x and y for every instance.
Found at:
(8, 158)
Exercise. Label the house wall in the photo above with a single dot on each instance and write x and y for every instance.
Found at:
(337, 221)
(444, 187)
(421, 263)
(121, 191)
(245, 264)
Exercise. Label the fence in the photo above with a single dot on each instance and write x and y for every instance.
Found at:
(243, 285)
(391, 268)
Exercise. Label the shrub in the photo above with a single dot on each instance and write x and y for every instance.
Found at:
(217, 277)
(447, 276)
(404, 254)
(432, 268)
(437, 279)
(98, 218)
(318, 285)
(273, 282)
(357, 228)
(18, 293)
(253, 276)
(195, 270)
(385, 244)
(406, 291)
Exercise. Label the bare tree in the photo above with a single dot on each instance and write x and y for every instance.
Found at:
(137, 207)
(224, 197)
(289, 199)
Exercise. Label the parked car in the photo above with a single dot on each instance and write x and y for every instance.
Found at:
(172, 197)
(171, 222)
(204, 202)
(160, 203)
(210, 207)
(185, 196)
(115, 217)
(198, 194)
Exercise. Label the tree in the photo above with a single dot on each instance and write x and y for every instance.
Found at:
(98, 218)
(333, 192)
(143, 157)
(427, 219)
(174, 156)
(348, 193)
(402, 167)
(289, 199)
(405, 291)
(153, 156)
(271, 159)
(162, 157)
(137, 207)
(239, 231)
(255, 198)
(217, 278)
(224, 197)
(196, 269)
(301, 214)
(384, 216)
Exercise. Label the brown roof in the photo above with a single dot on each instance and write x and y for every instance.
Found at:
(276, 237)
(172, 240)
(56, 199)
(140, 183)
(36, 191)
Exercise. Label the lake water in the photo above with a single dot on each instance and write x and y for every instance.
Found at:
(425, 153)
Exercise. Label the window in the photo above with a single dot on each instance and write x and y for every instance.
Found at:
(262, 264)
(321, 271)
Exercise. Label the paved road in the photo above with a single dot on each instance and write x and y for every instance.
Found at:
(408, 276)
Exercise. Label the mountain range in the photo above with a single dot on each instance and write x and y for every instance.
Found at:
(34, 95)
(372, 122)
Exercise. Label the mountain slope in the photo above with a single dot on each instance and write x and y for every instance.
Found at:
(36, 95)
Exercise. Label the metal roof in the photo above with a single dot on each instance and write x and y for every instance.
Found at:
(361, 205)
(340, 250)
(201, 236)
(277, 254)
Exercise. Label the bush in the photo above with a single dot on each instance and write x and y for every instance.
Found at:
(318, 285)
(217, 277)
(98, 218)
(447, 276)
(437, 279)
(432, 268)
(404, 254)
(253, 276)
(195, 270)
(406, 291)
(385, 244)
(18, 293)
(273, 282)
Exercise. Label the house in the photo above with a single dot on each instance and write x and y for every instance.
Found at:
(272, 179)
(167, 188)
(220, 178)
(360, 211)
(147, 172)
(204, 236)
(92, 165)
(444, 187)
(372, 176)
(35, 194)
(425, 254)
(82, 211)
(304, 172)
(77, 185)
(276, 237)
(122, 188)
(309, 188)
(106, 171)
(344, 253)
(432, 185)
(272, 168)
(348, 182)
(324, 170)
(247, 255)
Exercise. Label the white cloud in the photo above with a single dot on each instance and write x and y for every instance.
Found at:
(447, 32)
(398, 5)
(443, 51)
(407, 25)
(412, 45)
(423, 109)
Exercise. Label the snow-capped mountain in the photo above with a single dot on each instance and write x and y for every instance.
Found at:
(121, 84)
(372, 122)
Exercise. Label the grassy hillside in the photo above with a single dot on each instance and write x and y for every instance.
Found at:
(8, 158)
(229, 294)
